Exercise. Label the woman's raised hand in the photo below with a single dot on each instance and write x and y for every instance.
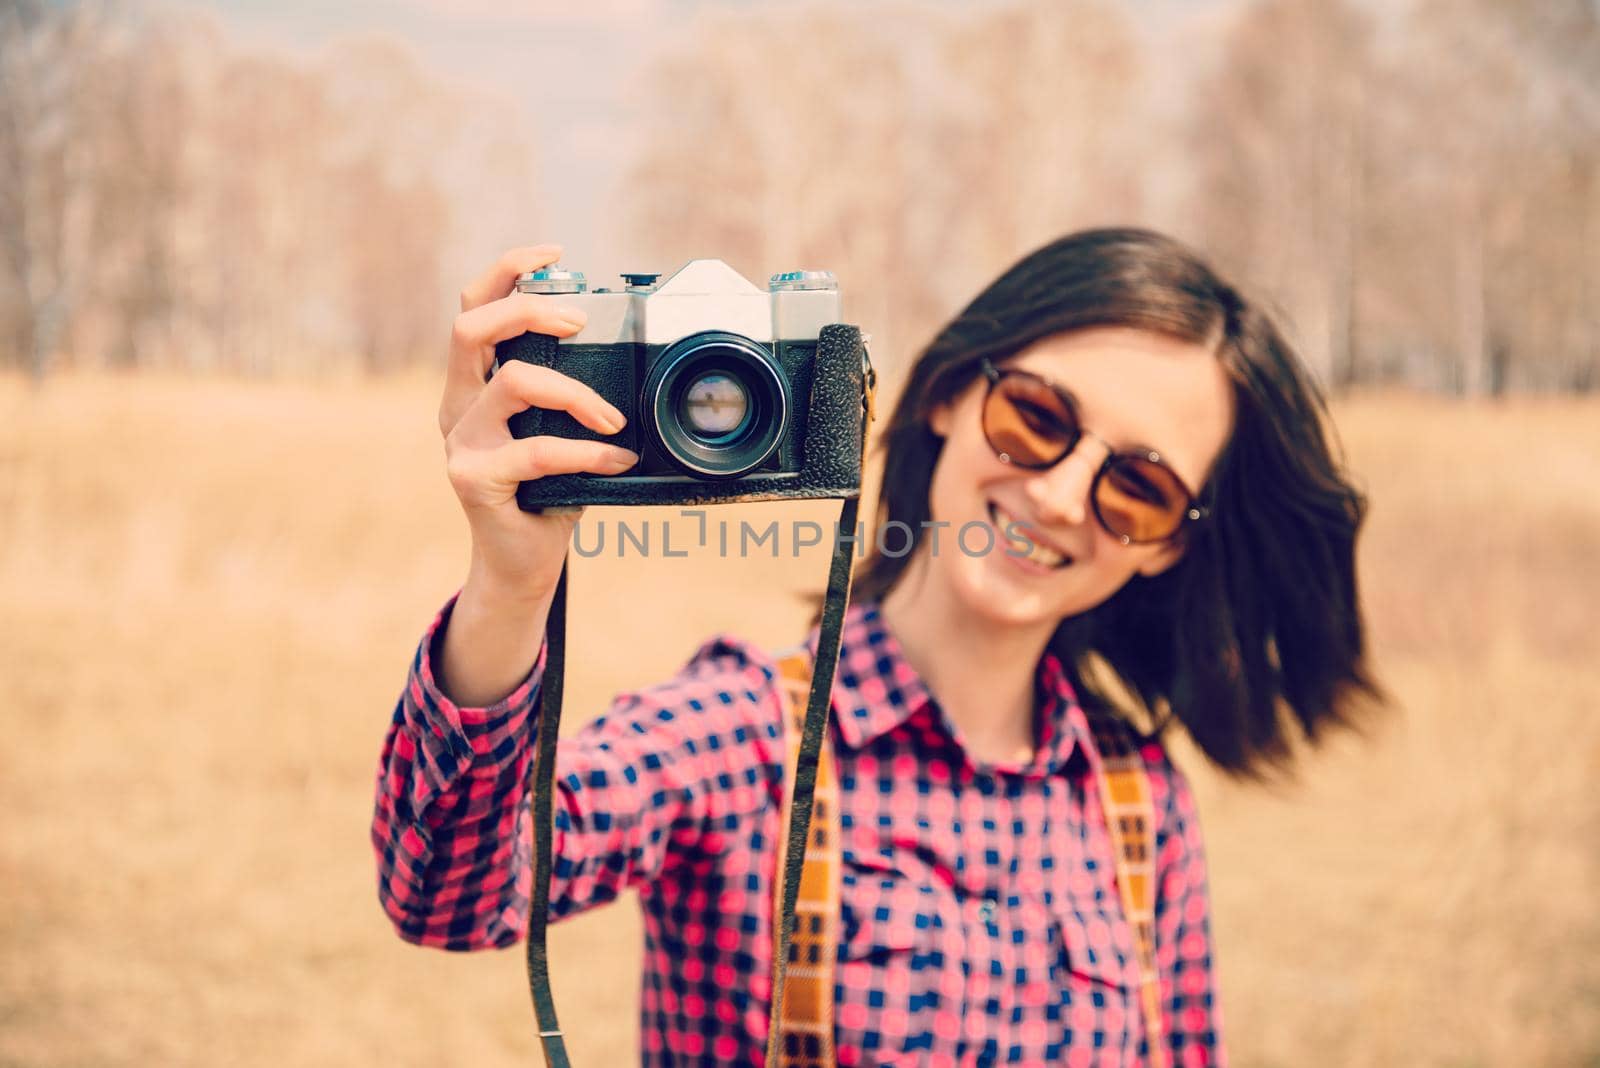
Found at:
(518, 553)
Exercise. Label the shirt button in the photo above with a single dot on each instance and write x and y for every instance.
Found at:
(986, 910)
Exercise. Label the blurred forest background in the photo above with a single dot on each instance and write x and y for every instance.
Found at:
(232, 243)
(1417, 186)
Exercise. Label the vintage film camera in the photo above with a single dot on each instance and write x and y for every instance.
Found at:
(732, 392)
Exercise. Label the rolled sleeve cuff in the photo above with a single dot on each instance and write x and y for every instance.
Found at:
(457, 740)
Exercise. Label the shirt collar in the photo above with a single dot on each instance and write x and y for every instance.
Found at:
(876, 690)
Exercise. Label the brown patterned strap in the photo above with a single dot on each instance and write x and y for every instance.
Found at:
(807, 1010)
(1130, 817)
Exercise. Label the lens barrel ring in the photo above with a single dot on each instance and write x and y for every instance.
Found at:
(764, 386)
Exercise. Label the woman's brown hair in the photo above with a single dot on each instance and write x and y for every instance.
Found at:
(1258, 626)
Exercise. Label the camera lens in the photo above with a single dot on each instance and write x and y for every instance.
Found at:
(716, 404)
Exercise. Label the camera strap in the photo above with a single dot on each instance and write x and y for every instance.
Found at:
(808, 1001)
(812, 732)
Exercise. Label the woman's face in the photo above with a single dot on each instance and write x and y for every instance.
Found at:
(1133, 389)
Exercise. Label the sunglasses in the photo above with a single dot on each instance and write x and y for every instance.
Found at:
(1032, 422)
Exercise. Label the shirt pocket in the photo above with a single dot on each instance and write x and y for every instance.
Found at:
(886, 911)
(900, 936)
(1097, 973)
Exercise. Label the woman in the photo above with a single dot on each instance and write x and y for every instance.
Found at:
(1153, 463)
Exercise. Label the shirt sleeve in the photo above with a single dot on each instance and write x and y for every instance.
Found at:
(635, 791)
(1191, 1013)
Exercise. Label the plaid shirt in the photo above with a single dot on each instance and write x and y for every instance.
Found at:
(980, 923)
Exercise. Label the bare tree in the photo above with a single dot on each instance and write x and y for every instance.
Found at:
(813, 174)
(138, 103)
(914, 154)
(389, 131)
(1041, 125)
(1423, 202)
(1507, 113)
(1425, 211)
(171, 198)
(1278, 137)
(44, 172)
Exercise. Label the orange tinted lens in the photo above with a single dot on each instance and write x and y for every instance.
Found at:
(1027, 422)
(1140, 499)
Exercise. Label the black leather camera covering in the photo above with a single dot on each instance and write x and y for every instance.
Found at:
(829, 454)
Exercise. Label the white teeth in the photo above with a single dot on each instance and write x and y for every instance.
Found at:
(1039, 552)
(1047, 557)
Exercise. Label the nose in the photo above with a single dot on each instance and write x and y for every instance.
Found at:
(1060, 493)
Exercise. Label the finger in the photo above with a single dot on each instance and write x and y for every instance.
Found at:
(475, 333)
(498, 280)
(536, 457)
(518, 386)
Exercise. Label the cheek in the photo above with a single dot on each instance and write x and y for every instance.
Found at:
(958, 478)
(964, 458)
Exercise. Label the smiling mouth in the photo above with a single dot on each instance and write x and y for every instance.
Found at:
(1038, 552)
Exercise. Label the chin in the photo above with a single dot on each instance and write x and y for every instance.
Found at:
(993, 588)
(997, 590)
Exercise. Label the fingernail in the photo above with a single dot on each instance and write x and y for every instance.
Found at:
(616, 420)
(624, 459)
(571, 316)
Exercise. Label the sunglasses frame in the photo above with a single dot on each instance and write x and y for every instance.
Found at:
(1193, 512)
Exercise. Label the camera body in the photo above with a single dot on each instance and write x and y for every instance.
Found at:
(732, 393)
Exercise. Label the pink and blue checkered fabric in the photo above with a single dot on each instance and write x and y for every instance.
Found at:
(980, 921)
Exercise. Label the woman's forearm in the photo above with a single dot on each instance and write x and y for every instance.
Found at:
(491, 641)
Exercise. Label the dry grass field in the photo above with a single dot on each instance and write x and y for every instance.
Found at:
(211, 591)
